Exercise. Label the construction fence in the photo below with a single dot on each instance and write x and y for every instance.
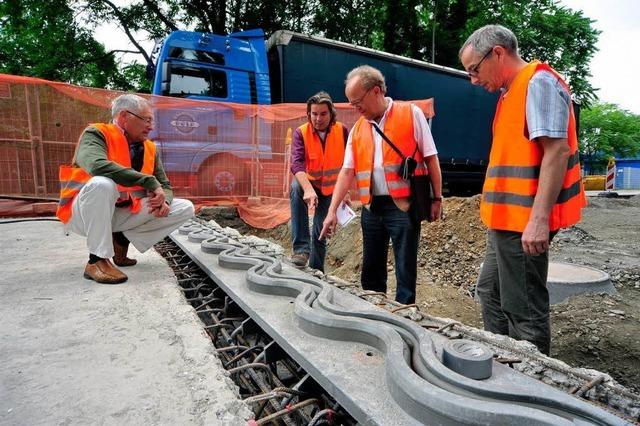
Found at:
(214, 152)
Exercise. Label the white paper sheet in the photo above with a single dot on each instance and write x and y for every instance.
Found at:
(345, 214)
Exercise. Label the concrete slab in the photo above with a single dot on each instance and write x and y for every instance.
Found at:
(76, 352)
(383, 369)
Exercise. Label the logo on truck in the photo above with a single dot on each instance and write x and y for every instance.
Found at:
(185, 123)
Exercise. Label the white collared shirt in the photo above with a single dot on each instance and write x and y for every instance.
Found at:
(421, 132)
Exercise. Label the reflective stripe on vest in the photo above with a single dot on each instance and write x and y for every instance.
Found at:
(73, 179)
(323, 165)
(398, 127)
(512, 177)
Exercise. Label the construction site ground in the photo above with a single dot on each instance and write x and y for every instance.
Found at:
(595, 331)
(73, 352)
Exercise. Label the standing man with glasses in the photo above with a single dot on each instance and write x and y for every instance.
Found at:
(317, 152)
(532, 187)
(116, 191)
(385, 195)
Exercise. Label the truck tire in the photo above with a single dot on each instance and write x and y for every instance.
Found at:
(223, 176)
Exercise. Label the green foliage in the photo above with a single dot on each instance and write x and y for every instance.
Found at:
(40, 39)
(32, 31)
(336, 19)
(547, 31)
(608, 131)
(133, 78)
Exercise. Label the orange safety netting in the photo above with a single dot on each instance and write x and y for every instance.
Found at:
(213, 152)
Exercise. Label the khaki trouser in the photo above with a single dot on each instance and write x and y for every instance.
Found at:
(96, 217)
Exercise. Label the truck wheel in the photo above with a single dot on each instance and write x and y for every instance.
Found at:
(221, 176)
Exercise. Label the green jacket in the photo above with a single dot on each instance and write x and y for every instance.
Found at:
(91, 155)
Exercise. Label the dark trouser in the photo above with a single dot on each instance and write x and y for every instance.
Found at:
(381, 221)
(300, 225)
(512, 288)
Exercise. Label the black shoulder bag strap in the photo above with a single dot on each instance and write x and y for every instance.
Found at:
(406, 172)
(391, 144)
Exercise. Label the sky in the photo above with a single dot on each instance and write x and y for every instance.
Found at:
(616, 66)
(613, 67)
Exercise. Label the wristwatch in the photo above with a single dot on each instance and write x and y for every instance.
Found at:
(436, 198)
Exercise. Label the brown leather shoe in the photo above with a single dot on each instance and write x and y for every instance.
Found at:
(120, 258)
(300, 259)
(113, 271)
(103, 272)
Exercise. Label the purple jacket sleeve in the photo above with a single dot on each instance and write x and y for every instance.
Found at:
(297, 153)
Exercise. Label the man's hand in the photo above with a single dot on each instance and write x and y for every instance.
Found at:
(310, 197)
(329, 225)
(156, 198)
(535, 238)
(436, 210)
(162, 211)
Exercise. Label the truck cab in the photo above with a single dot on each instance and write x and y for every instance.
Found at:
(230, 68)
(206, 146)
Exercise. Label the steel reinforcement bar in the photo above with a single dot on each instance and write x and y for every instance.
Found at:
(382, 368)
(270, 383)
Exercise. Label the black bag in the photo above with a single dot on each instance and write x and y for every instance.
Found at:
(420, 185)
(407, 167)
(420, 199)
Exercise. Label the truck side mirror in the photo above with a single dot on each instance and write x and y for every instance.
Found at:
(165, 85)
(166, 72)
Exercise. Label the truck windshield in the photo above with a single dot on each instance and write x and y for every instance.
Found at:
(196, 55)
(191, 81)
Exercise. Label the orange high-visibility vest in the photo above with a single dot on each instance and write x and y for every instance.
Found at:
(514, 165)
(398, 127)
(72, 178)
(323, 165)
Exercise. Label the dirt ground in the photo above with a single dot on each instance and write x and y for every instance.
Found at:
(592, 330)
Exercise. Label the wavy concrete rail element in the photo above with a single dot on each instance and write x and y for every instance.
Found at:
(418, 380)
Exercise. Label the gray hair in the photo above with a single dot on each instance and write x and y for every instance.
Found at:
(370, 77)
(128, 101)
(485, 38)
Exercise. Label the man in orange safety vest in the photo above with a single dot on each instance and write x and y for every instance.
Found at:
(317, 152)
(383, 191)
(116, 191)
(532, 186)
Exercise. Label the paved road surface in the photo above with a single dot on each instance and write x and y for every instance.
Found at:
(74, 352)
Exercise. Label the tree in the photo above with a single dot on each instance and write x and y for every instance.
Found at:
(608, 131)
(41, 39)
(546, 30)
(420, 29)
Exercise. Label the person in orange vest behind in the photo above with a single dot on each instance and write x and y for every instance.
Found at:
(317, 152)
(532, 186)
(385, 195)
(116, 191)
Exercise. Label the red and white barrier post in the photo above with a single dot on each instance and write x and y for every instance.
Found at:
(610, 183)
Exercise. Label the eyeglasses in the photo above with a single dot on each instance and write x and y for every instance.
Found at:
(359, 101)
(473, 72)
(145, 119)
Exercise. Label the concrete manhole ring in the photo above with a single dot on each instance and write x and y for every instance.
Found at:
(565, 280)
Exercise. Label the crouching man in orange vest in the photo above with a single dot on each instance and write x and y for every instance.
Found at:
(383, 192)
(116, 191)
(532, 187)
(317, 152)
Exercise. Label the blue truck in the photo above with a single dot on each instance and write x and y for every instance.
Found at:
(243, 68)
